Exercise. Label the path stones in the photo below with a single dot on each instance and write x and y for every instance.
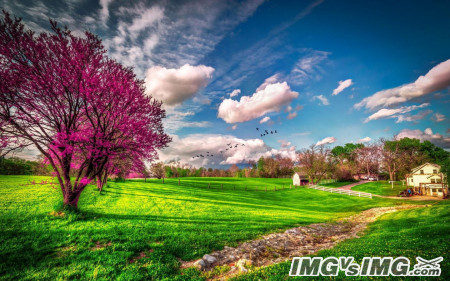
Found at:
(209, 259)
(200, 264)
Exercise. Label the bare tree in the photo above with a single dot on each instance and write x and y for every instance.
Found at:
(368, 157)
(157, 170)
(315, 161)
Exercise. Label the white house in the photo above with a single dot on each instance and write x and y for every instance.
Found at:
(428, 180)
(296, 179)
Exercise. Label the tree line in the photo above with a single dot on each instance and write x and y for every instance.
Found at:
(390, 159)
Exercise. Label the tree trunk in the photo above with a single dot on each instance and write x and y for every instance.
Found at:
(99, 183)
(71, 199)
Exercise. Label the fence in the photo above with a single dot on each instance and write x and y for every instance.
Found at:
(340, 191)
(238, 186)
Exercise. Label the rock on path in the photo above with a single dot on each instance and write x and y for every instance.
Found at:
(295, 242)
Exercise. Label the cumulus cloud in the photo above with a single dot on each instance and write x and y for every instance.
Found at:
(322, 99)
(174, 86)
(326, 140)
(264, 120)
(269, 97)
(234, 93)
(394, 112)
(438, 117)
(271, 80)
(427, 134)
(288, 108)
(342, 85)
(182, 150)
(363, 140)
(438, 78)
(233, 127)
(292, 115)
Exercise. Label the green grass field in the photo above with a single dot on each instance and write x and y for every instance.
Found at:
(420, 232)
(161, 223)
(381, 188)
(336, 184)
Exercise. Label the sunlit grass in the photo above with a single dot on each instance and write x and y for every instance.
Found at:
(163, 222)
(420, 232)
(381, 188)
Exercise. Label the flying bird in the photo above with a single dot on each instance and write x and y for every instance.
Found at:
(275, 131)
(257, 129)
(271, 132)
(228, 143)
(243, 144)
(266, 131)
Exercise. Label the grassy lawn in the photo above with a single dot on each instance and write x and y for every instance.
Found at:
(336, 184)
(409, 233)
(161, 223)
(381, 188)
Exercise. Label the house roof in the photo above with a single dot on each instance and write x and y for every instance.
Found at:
(423, 165)
(435, 175)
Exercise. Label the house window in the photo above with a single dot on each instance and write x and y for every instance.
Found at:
(438, 181)
(434, 171)
(412, 180)
(421, 172)
(433, 181)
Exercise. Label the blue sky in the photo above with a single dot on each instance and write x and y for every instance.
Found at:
(283, 60)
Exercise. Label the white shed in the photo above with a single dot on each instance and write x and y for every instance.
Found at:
(296, 179)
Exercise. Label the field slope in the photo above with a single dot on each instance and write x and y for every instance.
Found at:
(137, 230)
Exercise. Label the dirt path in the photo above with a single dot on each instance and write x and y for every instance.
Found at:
(295, 242)
(349, 186)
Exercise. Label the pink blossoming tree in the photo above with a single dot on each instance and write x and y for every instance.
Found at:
(79, 108)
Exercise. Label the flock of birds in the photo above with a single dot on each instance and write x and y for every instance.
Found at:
(234, 146)
(267, 132)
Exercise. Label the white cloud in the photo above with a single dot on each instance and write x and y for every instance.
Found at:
(308, 67)
(439, 117)
(268, 98)
(234, 93)
(326, 140)
(322, 99)
(264, 120)
(271, 80)
(292, 115)
(394, 112)
(183, 149)
(436, 79)
(427, 134)
(104, 11)
(363, 140)
(173, 86)
(288, 108)
(342, 85)
(177, 120)
(233, 127)
(412, 118)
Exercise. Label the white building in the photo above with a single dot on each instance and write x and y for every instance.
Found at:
(428, 180)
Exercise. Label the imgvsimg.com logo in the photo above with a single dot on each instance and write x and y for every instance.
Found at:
(370, 266)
